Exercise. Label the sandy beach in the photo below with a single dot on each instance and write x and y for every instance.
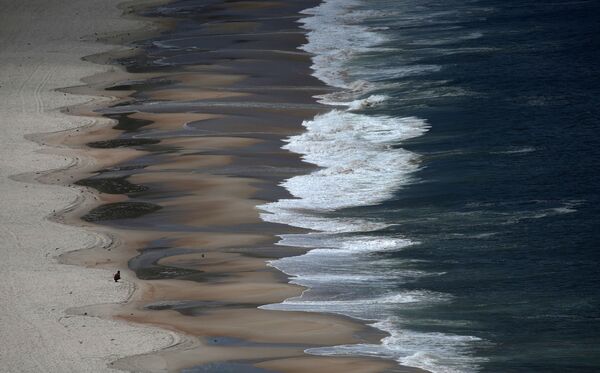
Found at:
(174, 210)
(42, 44)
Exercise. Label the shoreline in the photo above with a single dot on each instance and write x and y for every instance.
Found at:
(281, 349)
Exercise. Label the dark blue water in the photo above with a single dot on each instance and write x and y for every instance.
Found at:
(473, 239)
(511, 184)
(456, 201)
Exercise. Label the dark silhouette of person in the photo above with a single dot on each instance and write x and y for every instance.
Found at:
(117, 276)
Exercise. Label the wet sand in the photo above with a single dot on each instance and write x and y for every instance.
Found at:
(192, 150)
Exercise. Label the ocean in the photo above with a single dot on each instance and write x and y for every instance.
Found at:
(456, 204)
(454, 199)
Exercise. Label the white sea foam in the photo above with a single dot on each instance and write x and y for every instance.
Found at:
(283, 213)
(434, 352)
(334, 258)
(355, 278)
(360, 163)
(335, 36)
(346, 243)
(360, 308)
(345, 99)
(370, 101)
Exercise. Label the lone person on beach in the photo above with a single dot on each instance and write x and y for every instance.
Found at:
(117, 276)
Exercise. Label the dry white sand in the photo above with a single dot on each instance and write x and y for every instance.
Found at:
(41, 43)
